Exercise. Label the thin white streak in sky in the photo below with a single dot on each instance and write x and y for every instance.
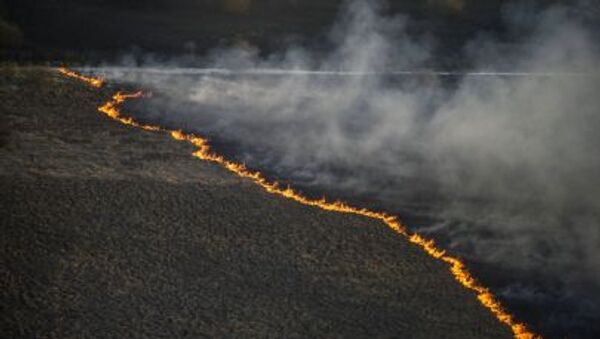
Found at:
(108, 71)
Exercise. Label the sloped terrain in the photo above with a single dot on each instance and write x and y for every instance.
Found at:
(109, 231)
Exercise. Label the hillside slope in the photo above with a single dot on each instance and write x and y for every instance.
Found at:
(109, 231)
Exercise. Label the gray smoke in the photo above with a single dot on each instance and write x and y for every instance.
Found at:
(504, 161)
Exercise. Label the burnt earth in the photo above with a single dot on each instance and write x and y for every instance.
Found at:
(109, 231)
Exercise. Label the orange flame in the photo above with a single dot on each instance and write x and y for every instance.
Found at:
(111, 109)
(458, 269)
(94, 82)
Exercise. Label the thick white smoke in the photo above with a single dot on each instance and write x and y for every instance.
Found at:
(504, 161)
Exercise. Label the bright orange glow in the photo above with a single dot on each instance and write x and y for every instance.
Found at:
(111, 109)
(458, 269)
(94, 82)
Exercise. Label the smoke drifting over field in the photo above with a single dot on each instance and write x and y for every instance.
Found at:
(503, 166)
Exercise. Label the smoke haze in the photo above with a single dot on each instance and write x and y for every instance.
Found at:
(501, 166)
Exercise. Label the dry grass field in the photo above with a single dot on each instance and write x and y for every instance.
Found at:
(109, 231)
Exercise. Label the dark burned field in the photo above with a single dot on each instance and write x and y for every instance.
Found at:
(109, 231)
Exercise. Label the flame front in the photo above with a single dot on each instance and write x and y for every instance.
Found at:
(111, 108)
(94, 82)
(457, 267)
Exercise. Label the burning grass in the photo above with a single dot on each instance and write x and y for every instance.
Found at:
(457, 268)
(94, 82)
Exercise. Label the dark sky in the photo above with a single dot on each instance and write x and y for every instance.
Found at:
(63, 28)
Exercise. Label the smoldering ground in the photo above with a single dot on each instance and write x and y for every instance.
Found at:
(500, 163)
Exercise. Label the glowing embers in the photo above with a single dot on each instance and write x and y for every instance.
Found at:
(92, 81)
(456, 266)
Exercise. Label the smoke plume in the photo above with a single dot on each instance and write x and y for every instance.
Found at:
(502, 161)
